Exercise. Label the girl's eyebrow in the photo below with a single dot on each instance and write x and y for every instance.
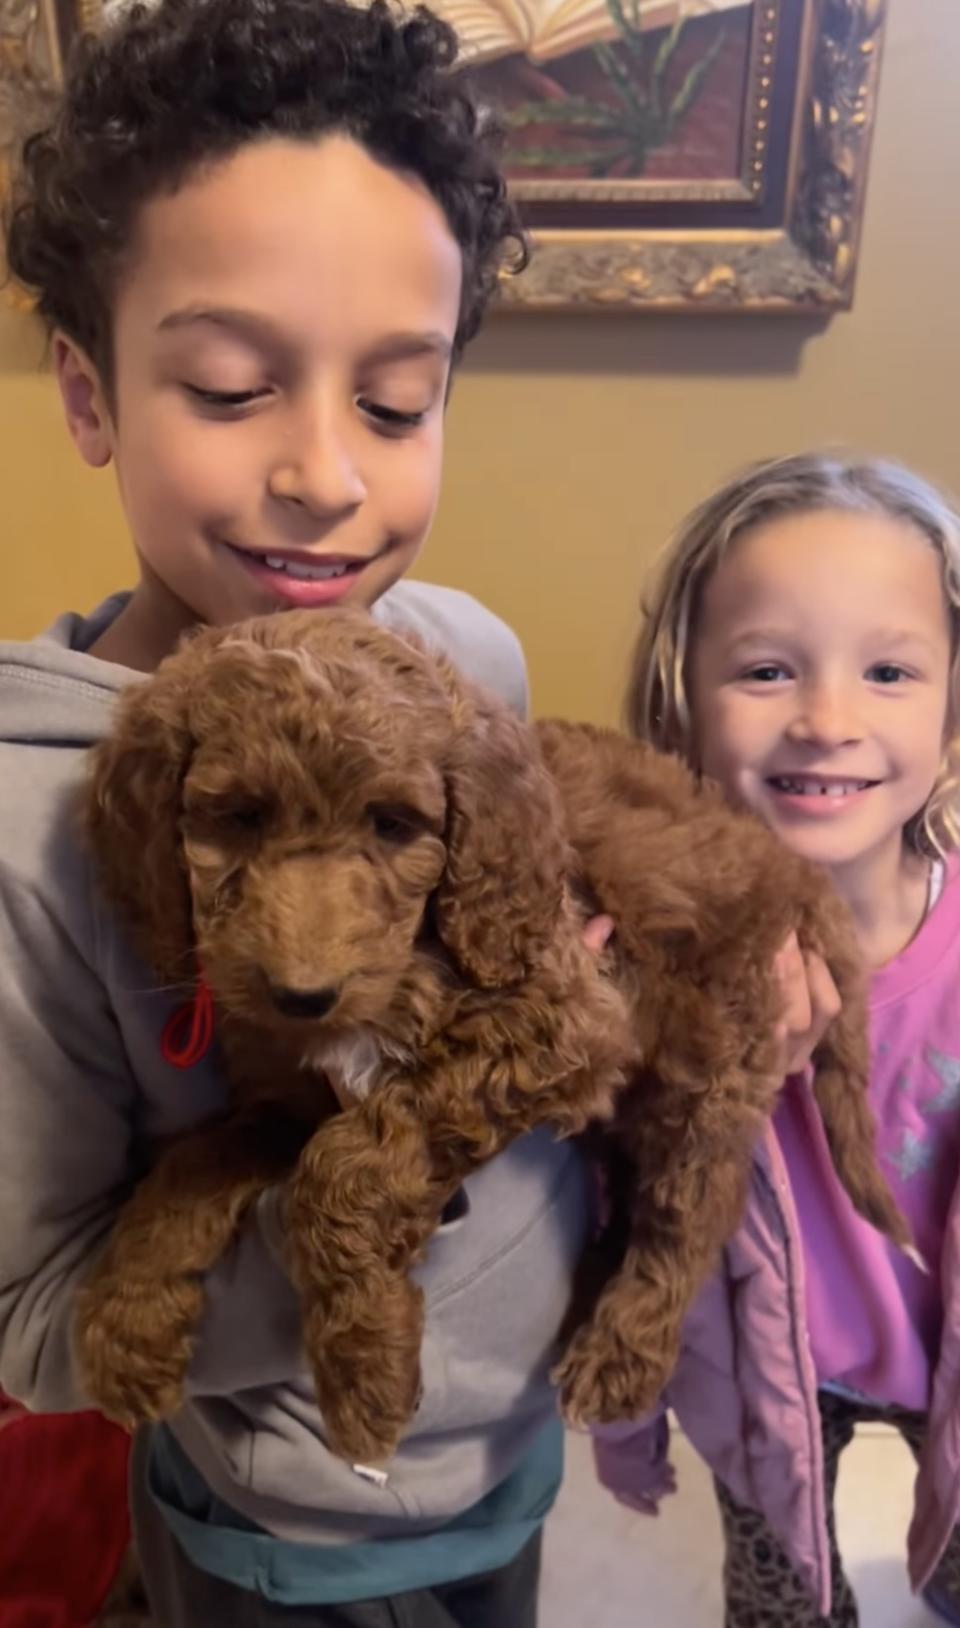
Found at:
(252, 325)
(759, 635)
(901, 638)
(889, 638)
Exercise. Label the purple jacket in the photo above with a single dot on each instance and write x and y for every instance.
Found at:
(745, 1393)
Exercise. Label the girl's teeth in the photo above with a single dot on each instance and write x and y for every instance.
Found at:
(818, 788)
(306, 573)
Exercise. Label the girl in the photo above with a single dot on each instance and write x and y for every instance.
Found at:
(802, 648)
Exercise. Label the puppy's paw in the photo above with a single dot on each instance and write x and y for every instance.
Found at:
(601, 1379)
(367, 1372)
(133, 1345)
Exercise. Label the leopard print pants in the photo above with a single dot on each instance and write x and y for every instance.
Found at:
(761, 1588)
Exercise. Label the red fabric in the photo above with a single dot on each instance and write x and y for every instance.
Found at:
(64, 1526)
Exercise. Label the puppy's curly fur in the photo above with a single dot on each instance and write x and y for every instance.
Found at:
(703, 898)
(381, 880)
(365, 856)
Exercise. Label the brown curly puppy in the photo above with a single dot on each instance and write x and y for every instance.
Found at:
(365, 858)
(703, 898)
(370, 863)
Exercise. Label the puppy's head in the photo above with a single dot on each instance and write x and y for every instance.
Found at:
(296, 804)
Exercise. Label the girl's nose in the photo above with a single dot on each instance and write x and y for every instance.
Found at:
(827, 716)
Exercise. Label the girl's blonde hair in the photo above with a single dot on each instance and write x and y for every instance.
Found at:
(657, 706)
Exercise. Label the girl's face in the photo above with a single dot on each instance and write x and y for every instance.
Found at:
(819, 679)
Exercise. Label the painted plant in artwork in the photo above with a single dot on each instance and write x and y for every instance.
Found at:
(612, 89)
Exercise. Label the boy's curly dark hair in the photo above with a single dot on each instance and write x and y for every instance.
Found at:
(172, 86)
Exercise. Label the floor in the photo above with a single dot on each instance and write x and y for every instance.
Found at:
(606, 1567)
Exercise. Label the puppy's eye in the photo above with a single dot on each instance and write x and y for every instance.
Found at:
(396, 823)
(247, 817)
(228, 818)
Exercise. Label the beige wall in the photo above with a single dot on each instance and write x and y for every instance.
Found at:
(574, 445)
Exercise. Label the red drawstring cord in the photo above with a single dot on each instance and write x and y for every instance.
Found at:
(188, 1032)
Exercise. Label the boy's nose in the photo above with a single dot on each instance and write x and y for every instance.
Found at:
(316, 470)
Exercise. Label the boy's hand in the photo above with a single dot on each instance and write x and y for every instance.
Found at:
(811, 1002)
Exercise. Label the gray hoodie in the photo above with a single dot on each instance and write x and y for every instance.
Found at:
(84, 1090)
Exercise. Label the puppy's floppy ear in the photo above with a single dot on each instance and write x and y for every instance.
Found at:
(499, 902)
(132, 813)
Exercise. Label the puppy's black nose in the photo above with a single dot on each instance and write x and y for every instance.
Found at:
(303, 1003)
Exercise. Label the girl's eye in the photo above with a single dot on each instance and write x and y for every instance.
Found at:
(391, 418)
(226, 400)
(886, 672)
(766, 672)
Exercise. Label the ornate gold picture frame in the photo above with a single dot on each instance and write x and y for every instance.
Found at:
(686, 154)
(667, 154)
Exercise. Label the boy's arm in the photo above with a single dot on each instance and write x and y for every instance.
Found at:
(68, 1111)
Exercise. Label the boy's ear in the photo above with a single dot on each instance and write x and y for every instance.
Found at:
(84, 401)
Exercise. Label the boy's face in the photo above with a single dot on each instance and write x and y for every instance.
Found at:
(282, 341)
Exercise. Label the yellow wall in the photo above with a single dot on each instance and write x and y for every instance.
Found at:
(574, 445)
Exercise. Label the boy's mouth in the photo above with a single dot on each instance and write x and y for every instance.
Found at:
(302, 567)
(817, 786)
(314, 571)
(294, 577)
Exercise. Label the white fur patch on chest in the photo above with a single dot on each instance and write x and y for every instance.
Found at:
(354, 1064)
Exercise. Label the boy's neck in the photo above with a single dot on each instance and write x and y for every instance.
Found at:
(146, 631)
(887, 892)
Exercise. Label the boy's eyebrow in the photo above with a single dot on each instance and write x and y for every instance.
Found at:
(399, 346)
(392, 348)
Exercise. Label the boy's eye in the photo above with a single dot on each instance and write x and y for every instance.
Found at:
(886, 672)
(224, 399)
(390, 418)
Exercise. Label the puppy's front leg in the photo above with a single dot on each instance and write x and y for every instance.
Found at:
(363, 1203)
(137, 1313)
(371, 1186)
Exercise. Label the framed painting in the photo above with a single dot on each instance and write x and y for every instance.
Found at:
(682, 154)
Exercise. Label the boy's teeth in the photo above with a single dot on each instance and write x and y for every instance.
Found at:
(299, 568)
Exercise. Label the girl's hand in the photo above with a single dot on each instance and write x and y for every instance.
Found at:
(810, 997)
(810, 1003)
(597, 932)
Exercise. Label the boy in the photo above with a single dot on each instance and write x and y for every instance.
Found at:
(260, 232)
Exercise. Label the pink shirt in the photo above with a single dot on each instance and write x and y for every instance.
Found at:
(873, 1317)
